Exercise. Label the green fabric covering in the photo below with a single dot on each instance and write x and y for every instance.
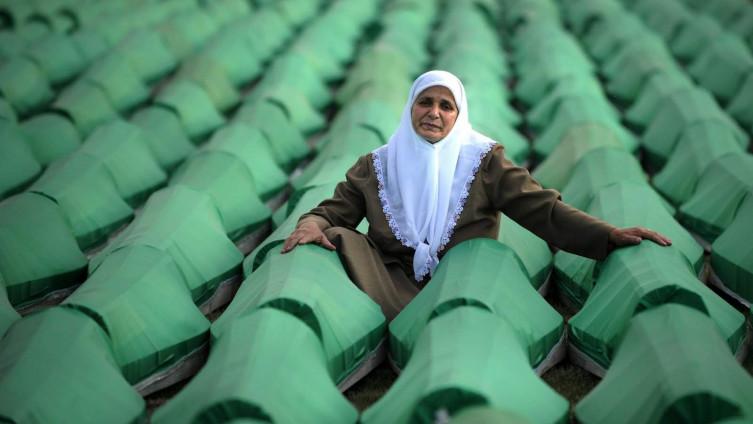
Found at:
(51, 136)
(467, 357)
(720, 190)
(147, 54)
(8, 315)
(582, 15)
(120, 83)
(672, 366)
(634, 70)
(379, 63)
(58, 57)
(229, 182)
(127, 296)
(193, 106)
(90, 43)
(532, 251)
(301, 113)
(664, 18)
(516, 146)
(236, 56)
(164, 134)
(634, 279)
(488, 275)
(698, 145)
(57, 367)
(185, 32)
(87, 195)
(186, 224)
(295, 12)
(122, 148)
(541, 69)
(606, 37)
(692, 37)
(677, 111)
(307, 200)
(6, 111)
(315, 49)
(556, 170)
(38, 253)
(18, 167)
(287, 143)
(644, 48)
(656, 87)
(578, 111)
(376, 114)
(485, 414)
(723, 66)
(324, 170)
(731, 253)
(250, 146)
(11, 45)
(267, 30)
(214, 80)
(586, 87)
(279, 377)
(311, 284)
(225, 11)
(24, 85)
(352, 141)
(741, 105)
(599, 168)
(87, 105)
(297, 73)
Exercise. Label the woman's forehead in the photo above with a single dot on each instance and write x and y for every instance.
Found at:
(440, 91)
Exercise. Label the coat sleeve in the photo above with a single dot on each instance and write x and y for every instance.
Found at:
(513, 191)
(347, 206)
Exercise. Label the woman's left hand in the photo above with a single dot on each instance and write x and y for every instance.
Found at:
(630, 236)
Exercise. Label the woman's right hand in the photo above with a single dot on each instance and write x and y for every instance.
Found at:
(306, 232)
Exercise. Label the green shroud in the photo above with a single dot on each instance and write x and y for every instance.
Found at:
(485, 414)
(58, 57)
(8, 315)
(230, 184)
(122, 85)
(38, 253)
(488, 275)
(672, 366)
(122, 148)
(586, 87)
(467, 357)
(86, 104)
(692, 37)
(184, 223)
(164, 134)
(56, 366)
(147, 54)
(24, 85)
(267, 366)
(185, 32)
(699, 144)
(311, 284)
(657, 87)
(722, 66)
(18, 167)
(6, 111)
(127, 296)
(193, 106)
(88, 198)
(532, 251)
(296, 72)
(51, 136)
(297, 107)
(741, 106)
(237, 57)
(250, 146)
(675, 112)
(638, 278)
(623, 204)
(732, 252)
(558, 167)
(214, 80)
(721, 189)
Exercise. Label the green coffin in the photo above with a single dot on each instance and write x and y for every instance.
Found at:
(295, 72)
(164, 134)
(126, 296)
(635, 279)
(193, 106)
(741, 105)
(147, 54)
(720, 190)
(731, 253)
(87, 195)
(487, 275)
(722, 66)
(252, 148)
(50, 136)
(123, 149)
(121, 84)
(8, 315)
(186, 224)
(57, 366)
(533, 252)
(311, 284)
(237, 57)
(214, 80)
(18, 166)
(231, 186)
(38, 253)
(24, 85)
(268, 366)
(672, 366)
(87, 105)
(649, 99)
(699, 145)
(464, 358)
(58, 57)
(692, 37)
(297, 107)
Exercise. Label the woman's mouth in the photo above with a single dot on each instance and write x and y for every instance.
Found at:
(430, 127)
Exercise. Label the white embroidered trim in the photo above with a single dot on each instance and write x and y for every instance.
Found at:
(392, 222)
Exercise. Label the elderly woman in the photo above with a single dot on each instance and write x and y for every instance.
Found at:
(435, 184)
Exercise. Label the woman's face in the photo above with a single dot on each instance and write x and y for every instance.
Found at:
(434, 113)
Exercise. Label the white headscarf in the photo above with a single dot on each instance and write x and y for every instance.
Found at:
(423, 186)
